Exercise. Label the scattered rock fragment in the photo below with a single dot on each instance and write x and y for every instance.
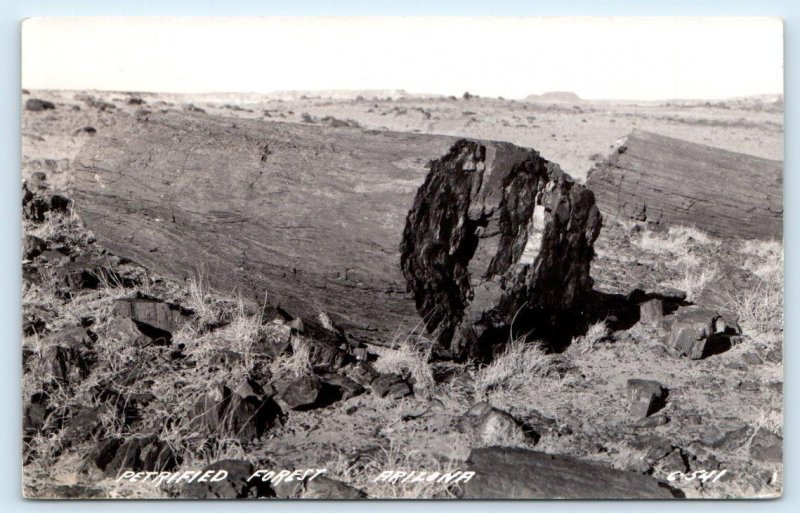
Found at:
(152, 313)
(34, 414)
(364, 373)
(67, 356)
(298, 393)
(494, 427)
(32, 246)
(37, 105)
(234, 486)
(245, 413)
(766, 446)
(390, 385)
(651, 312)
(341, 387)
(698, 333)
(138, 453)
(645, 397)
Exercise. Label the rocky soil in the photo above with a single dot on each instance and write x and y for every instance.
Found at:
(679, 371)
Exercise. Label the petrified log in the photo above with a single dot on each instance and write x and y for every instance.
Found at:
(511, 473)
(666, 181)
(312, 218)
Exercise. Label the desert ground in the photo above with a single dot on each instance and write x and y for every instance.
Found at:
(94, 381)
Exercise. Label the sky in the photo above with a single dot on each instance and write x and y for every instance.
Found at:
(597, 58)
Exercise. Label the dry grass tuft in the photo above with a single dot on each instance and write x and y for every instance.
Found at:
(759, 308)
(296, 365)
(405, 459)
(678, 240)
(410, 358)
(510, 373)
(695, 279)
(596, 333)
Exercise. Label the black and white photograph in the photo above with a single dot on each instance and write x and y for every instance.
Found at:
(402, 258)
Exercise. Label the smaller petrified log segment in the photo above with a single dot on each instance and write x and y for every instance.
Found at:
(495, 232)
(512, 473)
(661, 180)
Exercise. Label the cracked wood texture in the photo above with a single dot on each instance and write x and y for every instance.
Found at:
(310, 217)
(667, 181)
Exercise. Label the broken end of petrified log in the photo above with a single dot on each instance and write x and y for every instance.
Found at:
(497, 234)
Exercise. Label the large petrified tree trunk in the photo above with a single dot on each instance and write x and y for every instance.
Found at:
(313, 219)
(666, 181)
(497, 233)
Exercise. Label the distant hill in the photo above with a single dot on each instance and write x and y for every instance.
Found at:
(554, 96)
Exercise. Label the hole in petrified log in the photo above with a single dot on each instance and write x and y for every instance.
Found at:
(498, 235)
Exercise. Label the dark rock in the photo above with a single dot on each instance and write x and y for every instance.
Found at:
(766, 446)
(56, 257)
(34, 414)
(674, 461)
(508, 473)
(364, 373)
(67, 356)
(390, 385)
(733, 439)
(60, 203)
(775, 355)
(245, 413)
(510, 221)
(37, 105)
(651, 312)
(645, 397)
(493, 427)
(34, 206)
(32, 246)
(85, 424)
(139, 453)
(77, 276)
(298, 393)
(33, 321)
(751, 358)
(133, 100)
(343, 388)
(152, 313)
(697, 332)
(234, 486)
